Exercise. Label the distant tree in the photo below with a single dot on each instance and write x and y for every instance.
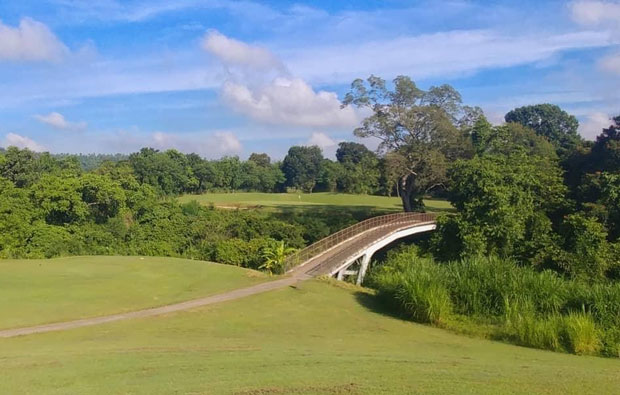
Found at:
(425, 128)
(302, 166)
(350, 152)
(262, 160)
(550, 121)
(169, 171)
(330, 176)
(104, 197)
(20, 166)
(606, 149)
(228, 173)
(508, 139)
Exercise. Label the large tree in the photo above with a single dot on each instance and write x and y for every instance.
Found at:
(302, 166)
(550, 121)
(424, 128)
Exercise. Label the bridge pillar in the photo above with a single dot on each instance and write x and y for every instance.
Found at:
(365, 261)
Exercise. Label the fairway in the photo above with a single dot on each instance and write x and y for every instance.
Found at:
(284, 201)
(44, 291)
(314, 338)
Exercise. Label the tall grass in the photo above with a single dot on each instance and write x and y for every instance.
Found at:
(530, 308)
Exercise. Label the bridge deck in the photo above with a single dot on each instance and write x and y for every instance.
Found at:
(333, 258)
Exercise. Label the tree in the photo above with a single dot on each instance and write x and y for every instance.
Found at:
(104, 197)
(550, 121)
(424, 127)
(262, 160)
(509, 139)
(503, 203)
(359, 168)
(274, 257)
(16, 216)
(302, 166)
(606, 149)
(350, 152)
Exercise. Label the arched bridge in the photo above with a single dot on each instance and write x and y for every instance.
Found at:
(348, 252)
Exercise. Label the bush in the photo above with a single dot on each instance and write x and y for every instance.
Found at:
(580, 334)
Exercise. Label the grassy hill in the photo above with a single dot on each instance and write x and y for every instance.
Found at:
(289, 201)
(43, 291)
(310, 339)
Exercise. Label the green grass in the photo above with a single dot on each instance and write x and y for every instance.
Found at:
(284, 201)
(311, 339)
(42, 291)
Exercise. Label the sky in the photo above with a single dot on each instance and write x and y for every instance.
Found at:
(221, 78)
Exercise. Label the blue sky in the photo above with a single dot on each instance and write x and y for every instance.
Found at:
(233, 77)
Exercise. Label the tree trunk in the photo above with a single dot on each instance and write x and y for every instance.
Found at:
(405, 191)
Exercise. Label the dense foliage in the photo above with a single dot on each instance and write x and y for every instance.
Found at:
(502, 300)
(532, 254)
(50, 207)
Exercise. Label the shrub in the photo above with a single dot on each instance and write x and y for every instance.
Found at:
(580, 334)
(527, 329)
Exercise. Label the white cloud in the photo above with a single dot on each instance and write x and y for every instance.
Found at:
(594, 125)
(213, 145)
(321, 140)
(324, 142)
(30, 41)
(289, 101)
(58, 121)
(595, 12)
(610, 64)
(285, 100)
(12, 139)
(236, 53)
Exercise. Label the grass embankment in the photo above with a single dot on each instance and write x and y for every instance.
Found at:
(43, 291)
(313, 338)
(305, 201)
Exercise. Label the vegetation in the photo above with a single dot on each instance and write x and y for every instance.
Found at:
(501, 300)
(43, 291)
(314, 338)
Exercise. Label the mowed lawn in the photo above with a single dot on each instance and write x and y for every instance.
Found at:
(43, 291)
(284, 201)
(315, 338)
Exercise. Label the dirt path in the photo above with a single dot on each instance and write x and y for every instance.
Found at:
(230, 295)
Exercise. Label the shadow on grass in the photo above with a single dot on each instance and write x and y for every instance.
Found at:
(377, 305)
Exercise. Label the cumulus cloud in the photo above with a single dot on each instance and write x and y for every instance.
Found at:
(284, 100)
(594, 125)
(30, 41)
(213, 145)
(58, 121)
(321, 140)
(237, 53)
(16, 140)
(592, 13)
(288, 101)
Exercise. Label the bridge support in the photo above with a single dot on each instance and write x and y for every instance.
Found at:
(362, 264)
(365, 261)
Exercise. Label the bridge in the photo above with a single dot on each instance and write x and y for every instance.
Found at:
(348, 252)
